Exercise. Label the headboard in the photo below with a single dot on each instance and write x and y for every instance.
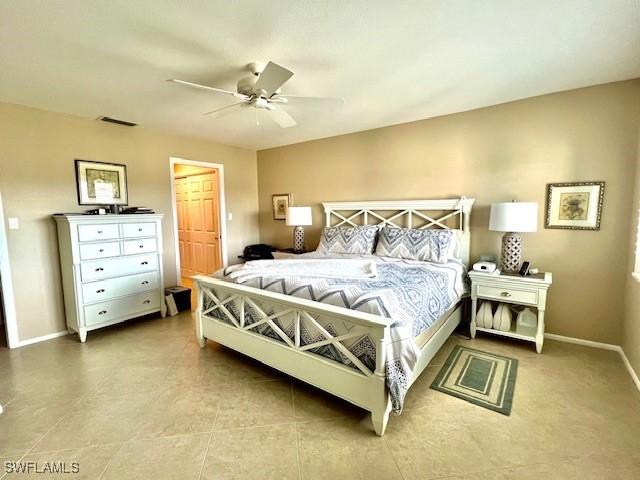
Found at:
(450, 214)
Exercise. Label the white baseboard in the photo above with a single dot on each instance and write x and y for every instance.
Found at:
(43, 338)
(604, 346)
(580, 341)
(632, 372)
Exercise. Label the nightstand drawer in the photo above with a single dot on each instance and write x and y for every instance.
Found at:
(509, 294)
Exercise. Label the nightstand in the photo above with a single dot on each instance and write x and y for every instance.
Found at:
(528, 291)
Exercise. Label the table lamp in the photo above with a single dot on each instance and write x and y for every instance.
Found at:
(513, 218)
(298, 217)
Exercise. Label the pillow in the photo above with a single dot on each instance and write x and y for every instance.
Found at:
(358, 240)
(437, 246)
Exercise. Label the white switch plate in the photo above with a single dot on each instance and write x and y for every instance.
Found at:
(230, 216)
(14, 223)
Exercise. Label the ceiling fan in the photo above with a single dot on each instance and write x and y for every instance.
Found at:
(261, 91)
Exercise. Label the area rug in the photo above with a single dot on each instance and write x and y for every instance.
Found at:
(482, 378)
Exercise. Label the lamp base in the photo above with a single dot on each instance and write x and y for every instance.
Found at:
(298, 239)
(511, 252)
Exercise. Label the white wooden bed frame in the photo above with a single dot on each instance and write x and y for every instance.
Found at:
(360, 386)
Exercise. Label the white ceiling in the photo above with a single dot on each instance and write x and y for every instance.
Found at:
(392, 61)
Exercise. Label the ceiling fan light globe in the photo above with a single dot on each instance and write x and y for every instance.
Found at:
(261, 102)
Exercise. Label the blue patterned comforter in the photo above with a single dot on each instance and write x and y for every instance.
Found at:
(413, 294)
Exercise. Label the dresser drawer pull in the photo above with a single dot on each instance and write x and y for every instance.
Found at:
(139, 229)
(505, 294)
(145, 283)
(144, 263)
(100, 291)
(147, 301)
(99, 231)
(101, 250)
(99, 269)
(141, 246)
(102, 312)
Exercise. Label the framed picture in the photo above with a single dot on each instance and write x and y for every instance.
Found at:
(574, 206)
(280, 203)
(101, 183)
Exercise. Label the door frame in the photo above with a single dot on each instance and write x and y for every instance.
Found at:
(221, 208)
(10, 317)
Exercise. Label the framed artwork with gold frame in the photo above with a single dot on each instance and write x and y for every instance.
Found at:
(280, 203)
(574, 206)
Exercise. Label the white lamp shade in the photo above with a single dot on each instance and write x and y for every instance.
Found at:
(298, 216)
(514, 217)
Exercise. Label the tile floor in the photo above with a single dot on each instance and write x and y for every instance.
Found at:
(141, 400)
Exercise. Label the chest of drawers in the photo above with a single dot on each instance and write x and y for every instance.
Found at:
(111, 268)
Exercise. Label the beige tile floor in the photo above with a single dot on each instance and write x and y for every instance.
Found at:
(141, 400)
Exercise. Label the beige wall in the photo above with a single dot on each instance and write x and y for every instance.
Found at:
(500, 153)
(631, 327)
(37, 178)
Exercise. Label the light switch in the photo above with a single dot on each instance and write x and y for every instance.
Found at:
(230, 216)
(14, 223)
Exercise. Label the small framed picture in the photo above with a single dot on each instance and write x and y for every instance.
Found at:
(574, 206)
(101, 183)
(280, 203)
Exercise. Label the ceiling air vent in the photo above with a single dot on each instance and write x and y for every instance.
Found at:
(119, 122)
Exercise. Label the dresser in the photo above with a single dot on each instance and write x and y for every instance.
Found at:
(111, 268)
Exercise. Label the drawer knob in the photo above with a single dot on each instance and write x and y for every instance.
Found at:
(100, 291)
(101, 250)
(139, 229)
(145, 282)
(505, 294)
(102, 312)
(99, 269)
(99, 231)
(147, 301)
(144, 263)
(141, 246)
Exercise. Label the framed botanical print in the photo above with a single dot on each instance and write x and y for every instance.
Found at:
(280, 203)
(574, 206)
(101, 183)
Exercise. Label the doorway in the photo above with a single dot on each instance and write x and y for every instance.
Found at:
(199, 227)
(3, 327)
(8, 322)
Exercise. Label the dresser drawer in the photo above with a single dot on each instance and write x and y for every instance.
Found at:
(90, 251)
(91, 233)
(132, 230)
(144, 245)
(508, 294)
(99, 269)
(119, 287)
(113, 309)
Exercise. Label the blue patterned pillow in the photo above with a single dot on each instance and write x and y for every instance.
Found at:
(435, 246)
(357, 240)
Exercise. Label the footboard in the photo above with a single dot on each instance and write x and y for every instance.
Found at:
(236, 316)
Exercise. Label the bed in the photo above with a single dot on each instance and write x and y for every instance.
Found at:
(365, 344)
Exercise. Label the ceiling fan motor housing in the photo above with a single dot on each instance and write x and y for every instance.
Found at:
(245, 85)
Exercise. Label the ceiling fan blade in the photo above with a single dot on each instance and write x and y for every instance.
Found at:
(272, 78)
(218, 112)
(282, 118)
(301, 100)
(206, 87)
